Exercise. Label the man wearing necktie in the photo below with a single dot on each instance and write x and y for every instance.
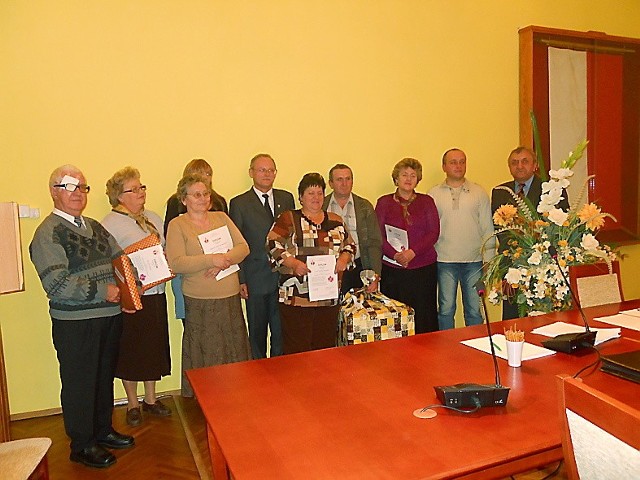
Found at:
(253, 212)
(72, 255)
(523, 166)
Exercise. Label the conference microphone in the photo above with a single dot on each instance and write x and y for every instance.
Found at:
(473, 394)
(570, 342)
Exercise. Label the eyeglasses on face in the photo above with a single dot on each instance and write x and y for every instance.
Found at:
(270, 171)
(72, 187)
(141, 188)
(199, 195)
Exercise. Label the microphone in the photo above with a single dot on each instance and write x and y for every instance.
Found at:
(570, 342)
(473, 394)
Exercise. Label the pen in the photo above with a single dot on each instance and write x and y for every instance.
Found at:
(496, 346)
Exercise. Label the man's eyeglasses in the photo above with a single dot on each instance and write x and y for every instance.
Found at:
(72, 187)
(270, 171)
(141, 188)
(199, 195)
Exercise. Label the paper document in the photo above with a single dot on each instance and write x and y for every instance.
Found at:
(529, 350)
(628, 319)
(323, 281)
(559, 328)
(218, 240)
(398, 239)
(151, 265)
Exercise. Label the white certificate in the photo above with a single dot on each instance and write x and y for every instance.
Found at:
(218, 240)
(323, 279)
(151, 265)
(398, 239)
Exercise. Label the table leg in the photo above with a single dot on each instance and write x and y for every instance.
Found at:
(218, 462)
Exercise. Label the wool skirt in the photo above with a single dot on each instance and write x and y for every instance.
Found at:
(144, 345)
(214, 333)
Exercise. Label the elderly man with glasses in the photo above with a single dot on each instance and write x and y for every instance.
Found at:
(72, 255)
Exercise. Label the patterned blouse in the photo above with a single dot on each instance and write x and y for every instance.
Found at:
(293, 234)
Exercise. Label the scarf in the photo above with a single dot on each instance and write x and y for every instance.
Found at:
(404, 203)
(140, 218)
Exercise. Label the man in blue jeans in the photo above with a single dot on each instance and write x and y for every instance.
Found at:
(465, 224)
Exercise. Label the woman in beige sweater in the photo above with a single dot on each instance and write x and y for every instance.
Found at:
(215, 331)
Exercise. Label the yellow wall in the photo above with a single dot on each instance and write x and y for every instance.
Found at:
(155, 83)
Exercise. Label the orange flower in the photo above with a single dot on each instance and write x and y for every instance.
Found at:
(592, 216)
(505, 215)
(562, 243)
(541, 224)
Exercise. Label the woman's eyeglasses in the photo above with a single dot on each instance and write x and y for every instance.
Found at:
(141, 188)
(72, 187)
(199, 195)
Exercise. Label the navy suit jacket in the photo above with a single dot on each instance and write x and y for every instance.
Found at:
(248, 213)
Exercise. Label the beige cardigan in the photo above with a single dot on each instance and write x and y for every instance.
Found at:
(185, 256)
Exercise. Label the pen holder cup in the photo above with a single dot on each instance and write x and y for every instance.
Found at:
(514, 353)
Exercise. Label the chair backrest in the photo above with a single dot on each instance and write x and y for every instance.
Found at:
(600, 435)
(594, 284)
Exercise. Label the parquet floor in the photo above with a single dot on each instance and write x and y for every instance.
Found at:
(163, 445)
(166, 448)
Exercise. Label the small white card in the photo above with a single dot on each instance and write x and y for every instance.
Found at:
(529, 350)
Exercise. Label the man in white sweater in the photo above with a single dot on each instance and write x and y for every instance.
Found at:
(465, 224)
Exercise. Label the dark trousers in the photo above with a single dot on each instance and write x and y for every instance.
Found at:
(351, 278)
(509, 310)
(263, 313)
(87, 351)
(308, 328)
(417, 288)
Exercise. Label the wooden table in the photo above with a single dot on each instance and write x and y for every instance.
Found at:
(346, 413)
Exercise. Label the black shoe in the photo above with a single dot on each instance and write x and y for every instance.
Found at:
(94, 456)
(116, 440)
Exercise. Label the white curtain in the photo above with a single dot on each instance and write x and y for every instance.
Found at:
(568, 111)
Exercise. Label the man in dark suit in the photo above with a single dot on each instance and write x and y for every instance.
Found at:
(361, 221)
(253, 212)
(523, 166)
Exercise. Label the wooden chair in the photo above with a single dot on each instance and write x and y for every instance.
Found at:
(595, 285)
(600, 435)
(25, 459)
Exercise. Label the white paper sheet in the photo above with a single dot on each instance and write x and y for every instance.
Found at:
(529, 350)
(218, 240)
(151, 265)
(627, 319)
(398, 239)
(323, 281)
(559, 328)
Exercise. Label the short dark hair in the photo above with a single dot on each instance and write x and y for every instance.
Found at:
(444, 155)
(339, 166)
(313, 179)
(521, 149)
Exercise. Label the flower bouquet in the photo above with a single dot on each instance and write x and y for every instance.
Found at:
(524, 270)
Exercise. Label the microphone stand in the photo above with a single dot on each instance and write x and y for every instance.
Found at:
(473, 394)
(570, 342)
(483, 310)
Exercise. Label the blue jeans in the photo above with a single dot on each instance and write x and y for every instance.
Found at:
(449, 276)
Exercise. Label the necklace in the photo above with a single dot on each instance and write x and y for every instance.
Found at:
(308, 218)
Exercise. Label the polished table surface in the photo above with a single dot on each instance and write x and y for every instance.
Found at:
(346, 412)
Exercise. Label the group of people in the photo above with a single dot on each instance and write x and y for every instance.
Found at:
(421, 248)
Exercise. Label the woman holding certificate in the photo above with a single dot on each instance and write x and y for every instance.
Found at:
(206, 248)
(310, 248)
(410, 227)
(144, 345)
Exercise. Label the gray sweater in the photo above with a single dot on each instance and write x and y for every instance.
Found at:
(74, 266)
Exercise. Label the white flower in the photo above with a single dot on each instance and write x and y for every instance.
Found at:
(558, 216)
(561, 173)
(535, 258)
(513, 275)
(493, 296)
(549, 200)
(589, 242)
(536, 313)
